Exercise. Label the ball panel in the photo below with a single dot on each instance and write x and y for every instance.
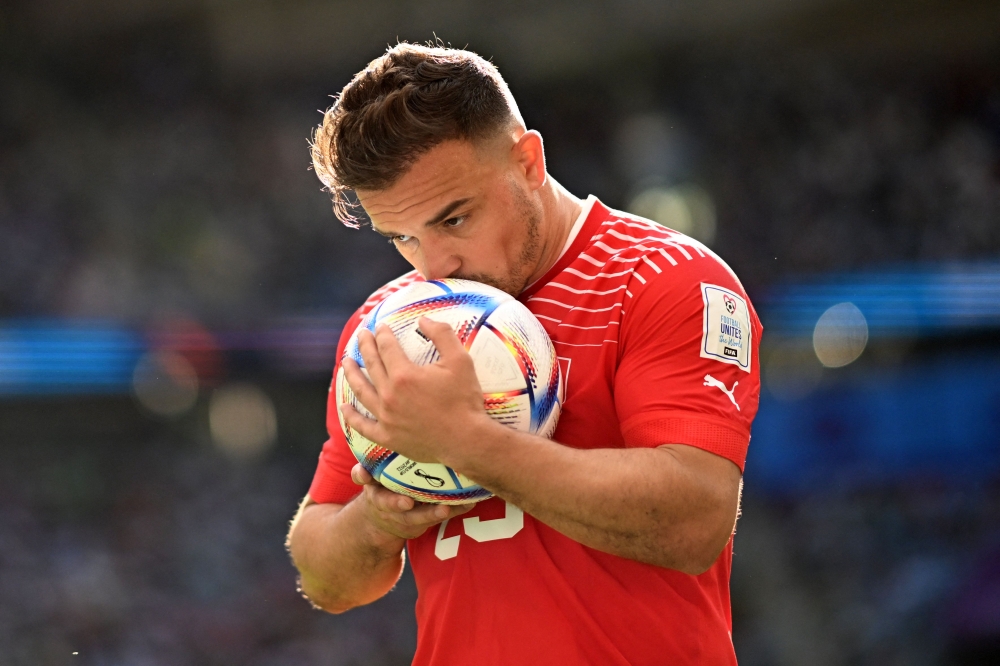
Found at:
(463, 313)
(424, 476)
(549, 397)
(517, 327)
(512, 409)
(498, 371)
(526, 338)
(417, 291)
(548, 427)
(455, 496)
(371, 456)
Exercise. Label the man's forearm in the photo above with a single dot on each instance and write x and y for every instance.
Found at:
(670, 506)
(343, 560)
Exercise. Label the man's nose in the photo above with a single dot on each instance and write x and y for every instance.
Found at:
(440, 264)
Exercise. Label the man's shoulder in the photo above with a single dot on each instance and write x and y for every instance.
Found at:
(636, 236)
(628, 245)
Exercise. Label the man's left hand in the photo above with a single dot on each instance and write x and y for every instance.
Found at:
(425, 413)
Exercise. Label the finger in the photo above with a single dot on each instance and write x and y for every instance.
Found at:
(422, 515)
(372, 358)
(391, 352)
(389, 502)
(363, 388)
(431, 514)
(404, 510)
(443, 337)
(360, 475)
(365, 426)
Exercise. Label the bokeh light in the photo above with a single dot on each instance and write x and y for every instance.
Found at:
(840, 335)
(165, 383)
(651, 147)
(242, 420)
(685, 208)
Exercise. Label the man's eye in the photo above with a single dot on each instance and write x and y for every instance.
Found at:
(400, 240)
(454, 221)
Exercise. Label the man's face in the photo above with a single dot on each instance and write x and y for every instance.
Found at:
(463, 211)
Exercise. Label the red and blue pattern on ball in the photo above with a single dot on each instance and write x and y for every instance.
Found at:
(376, 458)
(516, 340)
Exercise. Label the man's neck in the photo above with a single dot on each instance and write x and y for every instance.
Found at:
(560, 209)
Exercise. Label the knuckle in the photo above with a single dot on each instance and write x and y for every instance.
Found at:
(384, 439)
(376, 497)
(403, 379)
(416, 519)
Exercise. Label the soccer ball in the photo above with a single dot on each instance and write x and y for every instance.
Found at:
(515, 363)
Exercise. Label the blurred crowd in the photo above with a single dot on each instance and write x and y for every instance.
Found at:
(151, 193)
(817, 169)
(898, 574)
(156, 190)
(146, 547)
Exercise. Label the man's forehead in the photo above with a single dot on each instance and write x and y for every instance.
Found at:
(448, 172)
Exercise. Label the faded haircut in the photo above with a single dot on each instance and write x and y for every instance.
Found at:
(397, 108)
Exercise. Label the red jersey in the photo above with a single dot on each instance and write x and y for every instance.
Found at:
(657, 342)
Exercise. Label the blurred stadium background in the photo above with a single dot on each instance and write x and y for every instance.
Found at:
(172, 284)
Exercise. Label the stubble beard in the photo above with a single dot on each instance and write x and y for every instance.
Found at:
(517, 280)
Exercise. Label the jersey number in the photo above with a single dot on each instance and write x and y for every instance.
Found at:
(480, 530)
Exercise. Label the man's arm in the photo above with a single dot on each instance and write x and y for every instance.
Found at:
(352, 554)
(674, 506)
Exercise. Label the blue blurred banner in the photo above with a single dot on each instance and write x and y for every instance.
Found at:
(72, 357)
(66, 357)
(910, 302)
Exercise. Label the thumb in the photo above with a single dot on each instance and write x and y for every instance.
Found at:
(361, 476)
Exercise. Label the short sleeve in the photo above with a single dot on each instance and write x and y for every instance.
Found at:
(689, 369)
(332, 482)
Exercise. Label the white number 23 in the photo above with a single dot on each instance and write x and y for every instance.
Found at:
(480, 530)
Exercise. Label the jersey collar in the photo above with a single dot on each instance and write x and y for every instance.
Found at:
(583, 228)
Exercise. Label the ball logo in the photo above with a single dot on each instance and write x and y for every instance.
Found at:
(432, 481)
(730, 304)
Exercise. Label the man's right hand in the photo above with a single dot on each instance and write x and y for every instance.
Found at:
(399, 515)
(352, 554)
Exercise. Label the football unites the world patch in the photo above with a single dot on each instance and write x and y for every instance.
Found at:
(726, 335)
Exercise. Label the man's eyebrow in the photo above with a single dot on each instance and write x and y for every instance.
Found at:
(441, 216)
(446, 211)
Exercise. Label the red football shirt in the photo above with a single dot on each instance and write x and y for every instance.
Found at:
(657, 342)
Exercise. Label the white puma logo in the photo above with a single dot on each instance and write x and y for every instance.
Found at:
(712, 381)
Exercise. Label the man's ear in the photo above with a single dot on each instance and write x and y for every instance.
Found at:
(529, 154)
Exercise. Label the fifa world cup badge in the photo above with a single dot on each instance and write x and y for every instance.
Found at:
(726, 334)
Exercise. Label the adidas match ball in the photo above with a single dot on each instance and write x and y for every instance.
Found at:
(515, 363)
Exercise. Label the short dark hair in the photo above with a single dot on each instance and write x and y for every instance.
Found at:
(400, 106)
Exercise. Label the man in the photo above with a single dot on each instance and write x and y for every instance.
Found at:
(610, 544)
